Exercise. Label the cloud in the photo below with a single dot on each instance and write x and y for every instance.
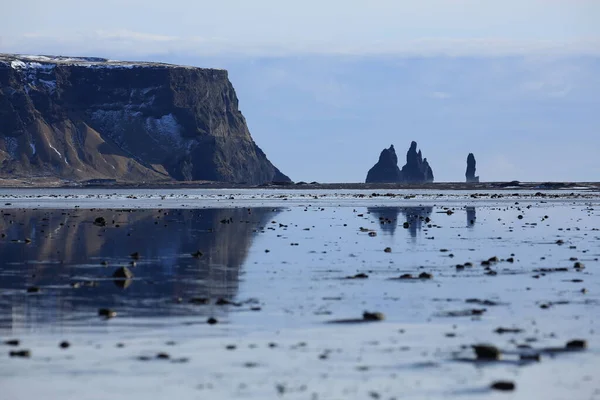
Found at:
(126, 35)
(128, 42)
(441, 95)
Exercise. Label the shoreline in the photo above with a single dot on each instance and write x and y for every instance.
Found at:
(24, 183)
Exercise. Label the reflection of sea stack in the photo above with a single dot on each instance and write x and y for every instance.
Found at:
(416, 170)
(471, 167)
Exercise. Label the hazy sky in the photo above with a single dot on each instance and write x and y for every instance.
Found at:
(326, 84)
(325, 26)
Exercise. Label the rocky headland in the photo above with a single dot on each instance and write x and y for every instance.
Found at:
(89, 118)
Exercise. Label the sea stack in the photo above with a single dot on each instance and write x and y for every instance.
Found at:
(471, 167)
(386, 170)
(416, 170)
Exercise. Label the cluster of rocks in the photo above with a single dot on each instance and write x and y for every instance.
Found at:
(416, 169)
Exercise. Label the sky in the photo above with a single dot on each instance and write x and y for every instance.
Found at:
(325, 85)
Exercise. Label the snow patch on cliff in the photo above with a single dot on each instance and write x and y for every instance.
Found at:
(166, 129)
(53, 148)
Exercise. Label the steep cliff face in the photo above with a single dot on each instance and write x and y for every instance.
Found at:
(84, 118)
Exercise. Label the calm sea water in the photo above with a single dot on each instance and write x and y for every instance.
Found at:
(274, 272)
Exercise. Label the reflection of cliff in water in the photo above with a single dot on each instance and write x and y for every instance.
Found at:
(389, 218)
(67, 248)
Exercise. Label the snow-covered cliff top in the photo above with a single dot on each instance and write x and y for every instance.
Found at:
(22, 61)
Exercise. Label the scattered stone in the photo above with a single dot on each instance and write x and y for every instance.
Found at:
(358, 276)
(486, 352)
(387, 250)
(107, 313)
(224, 302)
(505, 386)
(135, 256)
(501, 330)
(100, 221)
(212, 321)
(20, 353)
(197, 254)
(64, 345)
(12, 342)
(576, 344)
(199, 300)
(123, 273)
(373, 316)
(33, 289)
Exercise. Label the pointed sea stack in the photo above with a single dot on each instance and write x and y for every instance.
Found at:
(386, 170)
(471, 167)
(417, 169)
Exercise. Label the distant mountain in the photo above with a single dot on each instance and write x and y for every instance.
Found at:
(93, 118)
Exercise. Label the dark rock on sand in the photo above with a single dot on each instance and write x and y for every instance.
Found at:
(107, 313)
(576, 344)
(471, 167)
(12, 342)
(367, 317)
(64, 345)
(197, 254)
(486, 352)
(100, 221)
(501, 330)
(20, 353)
(123, 273)
(505, 386)
(373, 316)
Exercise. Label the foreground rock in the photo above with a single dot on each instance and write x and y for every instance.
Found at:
(99, 120)
(416, 169)
(471, 168)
